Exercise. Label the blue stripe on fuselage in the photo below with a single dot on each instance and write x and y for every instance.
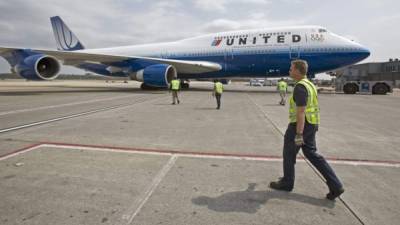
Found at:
(238, 64)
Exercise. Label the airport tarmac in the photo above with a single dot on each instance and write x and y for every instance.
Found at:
(90, 152)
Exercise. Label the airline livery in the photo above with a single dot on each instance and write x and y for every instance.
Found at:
(245, 53)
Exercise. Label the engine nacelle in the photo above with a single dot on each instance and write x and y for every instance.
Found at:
(38, 67)
(159, 75)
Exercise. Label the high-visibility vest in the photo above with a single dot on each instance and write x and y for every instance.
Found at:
(282, 86)
(219, 88)
(175, 85)
(312, 107)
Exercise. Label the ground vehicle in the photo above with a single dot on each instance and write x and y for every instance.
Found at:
(256, 82)
(373, 78)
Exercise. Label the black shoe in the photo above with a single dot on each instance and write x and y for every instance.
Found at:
(334, 194)
(173, 103)
(179, 102)
(281, 185)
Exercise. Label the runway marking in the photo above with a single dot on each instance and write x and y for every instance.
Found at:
(21, 151)
(61, 105)
(141, 100)
(139, 203)
(204, 155)
(133, 211)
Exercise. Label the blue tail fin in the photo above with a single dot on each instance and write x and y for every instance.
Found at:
(65, 38)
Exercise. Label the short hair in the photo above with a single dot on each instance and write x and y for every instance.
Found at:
(301, 66)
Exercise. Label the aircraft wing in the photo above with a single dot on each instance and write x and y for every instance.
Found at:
(80, 57)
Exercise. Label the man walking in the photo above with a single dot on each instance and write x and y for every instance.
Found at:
(282, 88)
(175, 87)
(304, 120)
(217, 92)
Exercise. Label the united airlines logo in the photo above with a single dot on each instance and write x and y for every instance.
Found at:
(278, 38)
(216, 42)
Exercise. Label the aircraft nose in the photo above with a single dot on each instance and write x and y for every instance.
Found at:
(365, 52)
(361, 52)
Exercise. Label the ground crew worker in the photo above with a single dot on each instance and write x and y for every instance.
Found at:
(175, 88)
(282, 88)
(217, 92)
(304, 120)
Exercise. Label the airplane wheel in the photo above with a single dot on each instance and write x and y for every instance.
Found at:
(144, 86)
(185, 85)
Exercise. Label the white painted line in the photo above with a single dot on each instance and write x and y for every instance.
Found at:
(139, 203)
(61, 105)
(141, 100)
(20, 152)
(55, 119)
(202, 156)
(106, 150)
(212, 156)
(189, 155)
(364, 163)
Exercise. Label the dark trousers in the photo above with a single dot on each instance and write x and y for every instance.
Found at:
(309, 148)
(175, 96)
(218, 97)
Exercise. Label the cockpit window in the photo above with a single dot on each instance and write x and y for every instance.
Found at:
(322, 30)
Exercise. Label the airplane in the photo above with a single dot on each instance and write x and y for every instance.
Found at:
(244, 53)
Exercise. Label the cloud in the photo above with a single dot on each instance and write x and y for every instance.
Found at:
(105, 23)
(257, 20)
(223, 5)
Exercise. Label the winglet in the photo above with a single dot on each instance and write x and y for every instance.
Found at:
(65, 38)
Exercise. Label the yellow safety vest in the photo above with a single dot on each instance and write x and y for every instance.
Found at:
(219, 88)
(282, 85)
(312, 108)
(175, 85)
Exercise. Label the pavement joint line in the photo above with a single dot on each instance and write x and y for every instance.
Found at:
(209, 154)
(309, 163)
(173, 157)
(204, 155)
(61, 105)
(140, 202)
(142, 100)
(266, 116)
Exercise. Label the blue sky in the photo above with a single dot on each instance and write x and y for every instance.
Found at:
(105, 23)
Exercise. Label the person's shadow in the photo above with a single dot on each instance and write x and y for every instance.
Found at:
(250, 201)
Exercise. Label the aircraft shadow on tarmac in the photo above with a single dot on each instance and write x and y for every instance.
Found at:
(250, 201)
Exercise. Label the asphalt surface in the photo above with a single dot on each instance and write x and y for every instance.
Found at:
(90, 152)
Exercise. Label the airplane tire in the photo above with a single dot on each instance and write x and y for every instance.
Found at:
(144, 86)
(185, 85)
